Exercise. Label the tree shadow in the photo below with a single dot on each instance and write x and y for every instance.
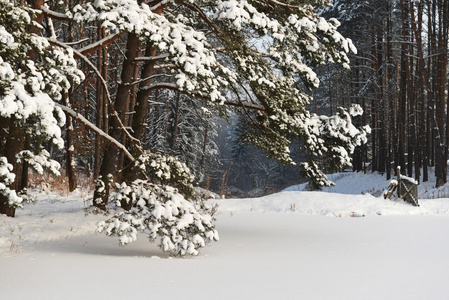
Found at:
(101, 245)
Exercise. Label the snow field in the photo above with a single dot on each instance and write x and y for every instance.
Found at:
(290, 245)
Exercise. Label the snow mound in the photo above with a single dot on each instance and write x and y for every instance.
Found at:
(333, 204)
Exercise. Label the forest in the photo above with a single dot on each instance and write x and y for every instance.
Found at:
(399, 77)
(151, 99)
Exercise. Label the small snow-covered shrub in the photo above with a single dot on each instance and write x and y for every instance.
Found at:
(184, 226)
(6, 179)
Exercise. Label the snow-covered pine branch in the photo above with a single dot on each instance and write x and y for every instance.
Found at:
(331, 140)
(94, 128)
(161, 212)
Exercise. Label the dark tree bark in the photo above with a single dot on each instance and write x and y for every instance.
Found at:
(121, 104)
(13, 137)
(143, 95)
(421, 146)
(390, 126)
(102, 64)
(374, 101)
(176, 123)
(411, 121)
(14, 142)
(138, 121)
(70, 156)
(440, 139)
(402, 90)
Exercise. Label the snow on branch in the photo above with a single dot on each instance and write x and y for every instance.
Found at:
(245, 105)
(94, 128)
(104, 42)
(184, 226)
(153, 58)
(54, 15)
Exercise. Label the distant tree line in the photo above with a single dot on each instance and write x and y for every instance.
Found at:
(399, 77)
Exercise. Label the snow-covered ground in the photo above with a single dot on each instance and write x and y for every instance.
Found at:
(335, 244)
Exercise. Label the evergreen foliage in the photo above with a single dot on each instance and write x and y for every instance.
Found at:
(28, 89)
(183, 225)
(204, 57)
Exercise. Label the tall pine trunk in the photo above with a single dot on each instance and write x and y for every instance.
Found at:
(141, 111)
(440, 139)
(14, 143)
(402, 90)
(121, 104)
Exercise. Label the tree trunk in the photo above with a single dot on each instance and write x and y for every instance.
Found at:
(411, 110)
(176, 124)
(423, 86)
(141, 107)
(390, 102)
(70, 158)
(15, 142)
(14, 138)
(143, 95)
(123, 163)
(121, 104)
(402, 91)
(440, 140)
(100, 111)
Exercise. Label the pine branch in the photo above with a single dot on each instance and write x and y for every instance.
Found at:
(54, 15)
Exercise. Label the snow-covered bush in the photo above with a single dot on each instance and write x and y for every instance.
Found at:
(183, 225)
(164, 206)
(6, 179)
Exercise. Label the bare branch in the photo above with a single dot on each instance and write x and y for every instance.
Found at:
(201, 14)
(277, 3)
(162, 85)
(162, 67)
(174, 87)
(77, 42)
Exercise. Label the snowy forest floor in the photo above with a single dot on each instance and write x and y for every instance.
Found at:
(345, 242)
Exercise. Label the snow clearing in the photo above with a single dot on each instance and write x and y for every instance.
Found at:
(334, 244)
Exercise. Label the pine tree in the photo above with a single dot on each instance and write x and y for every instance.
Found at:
(204, 51)
(29, 86)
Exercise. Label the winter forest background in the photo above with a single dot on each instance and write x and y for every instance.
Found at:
(146, 100)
